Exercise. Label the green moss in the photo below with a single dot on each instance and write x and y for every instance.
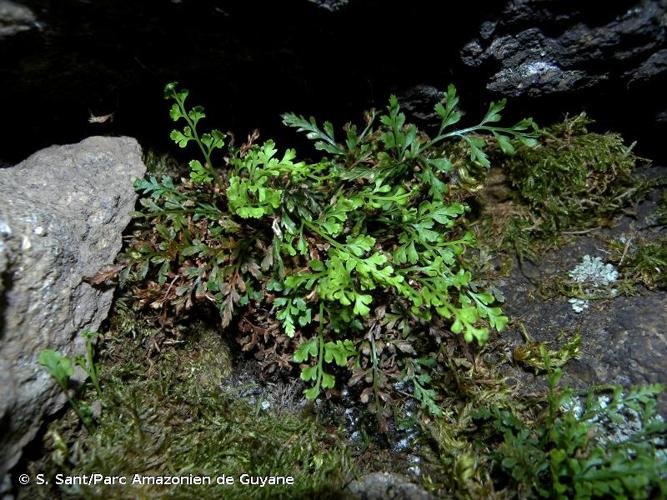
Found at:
(459, 467)
(574, 181)
(641, 261)
(178, 414)
(576, 177)
(532, 354)
(605, 442)
(160, 164)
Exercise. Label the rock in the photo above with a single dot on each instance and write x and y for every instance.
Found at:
(331, 5)
(623, 339)
(538, 48)
(653, 67)
(328, 58)
(15, 18)
(386, 486)
(80, 63)
(62, 214)
(419, 101)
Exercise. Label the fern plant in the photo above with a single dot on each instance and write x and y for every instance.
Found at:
(348, 265)
(608, 443)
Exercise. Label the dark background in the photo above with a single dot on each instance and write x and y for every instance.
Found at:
(246, 62)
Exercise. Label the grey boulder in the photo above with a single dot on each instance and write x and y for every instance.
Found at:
(62, 214)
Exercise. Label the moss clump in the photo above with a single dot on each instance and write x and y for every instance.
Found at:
(575, 177)
(162, 164)
(575, 180)
(174, 415)
(460, 467)
(532, 354)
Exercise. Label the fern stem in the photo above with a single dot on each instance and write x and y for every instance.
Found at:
(193, 128)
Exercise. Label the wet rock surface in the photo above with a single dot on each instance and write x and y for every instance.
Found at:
(62, 216)
(623, 339)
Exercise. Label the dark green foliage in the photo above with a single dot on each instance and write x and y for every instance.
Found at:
(662, 208)
(87, 362)
(532, 354)
(347, 264)
(608, 444)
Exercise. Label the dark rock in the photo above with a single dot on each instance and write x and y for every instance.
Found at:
(331, 5)
(386, 486)
(623, 339)
(62, 216)
(653, 67)
(538, 48)
(248, 62)
(419, 101)
(15, 18)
